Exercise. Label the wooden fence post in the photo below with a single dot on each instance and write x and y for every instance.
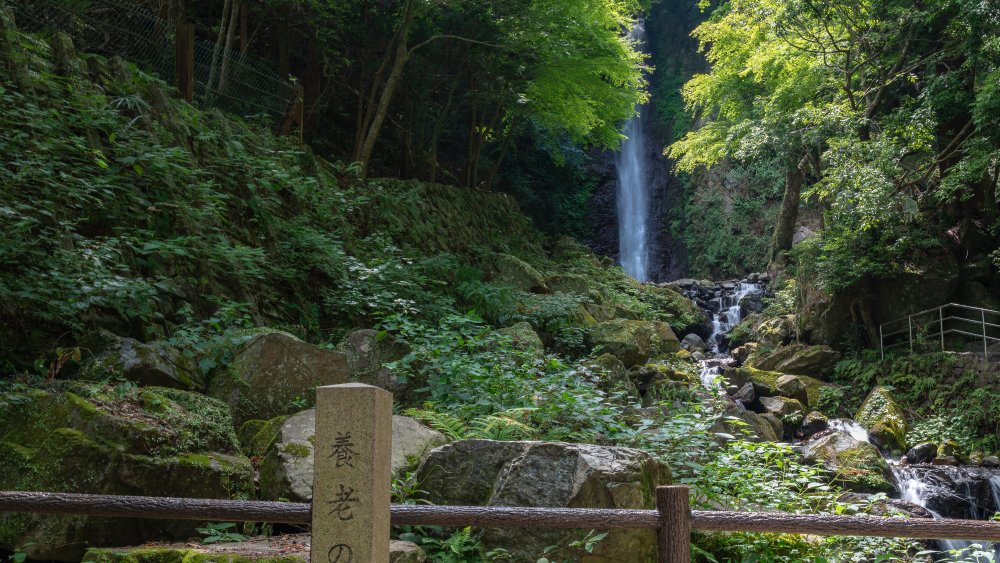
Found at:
(351, 479)
(674, 535)
(184, 58)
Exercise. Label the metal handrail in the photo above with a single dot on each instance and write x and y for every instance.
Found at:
(941, 332)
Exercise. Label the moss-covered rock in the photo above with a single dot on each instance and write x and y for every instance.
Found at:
(884, 419)
(85, 438)
(511, 270)
(798, 359)
(577, 284)
(814, 423)
(257, 436)
(766, 429)
(670, 305)
(951, 448)
(792, 386)
(146, 364)
(277, 374)
(634, 342)
(367, 352)
(523, 337)
(765, 383)
(790, 411)
(768, 331)
(856, 465)
(612, 375)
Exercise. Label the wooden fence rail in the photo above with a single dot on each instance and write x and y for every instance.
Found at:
(353, 430)
(664, 519)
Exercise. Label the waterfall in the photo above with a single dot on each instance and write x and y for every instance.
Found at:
(727, 312)
(633, 191)
(921, 486)
(730, 313)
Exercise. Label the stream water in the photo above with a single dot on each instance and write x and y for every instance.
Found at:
(633, 190)
(944, 491)
(727, 308)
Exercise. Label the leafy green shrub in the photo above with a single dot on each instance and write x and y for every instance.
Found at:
(474, 374)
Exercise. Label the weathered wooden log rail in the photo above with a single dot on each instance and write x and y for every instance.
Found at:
(353, 429)
(511, 517)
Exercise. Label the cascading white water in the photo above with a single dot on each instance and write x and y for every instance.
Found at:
(633, 191)
(730, 313)
(914, 487)
(856, 431)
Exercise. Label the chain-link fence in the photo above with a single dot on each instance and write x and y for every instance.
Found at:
(239, 83)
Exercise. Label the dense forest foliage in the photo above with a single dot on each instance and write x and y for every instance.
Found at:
(175, 280)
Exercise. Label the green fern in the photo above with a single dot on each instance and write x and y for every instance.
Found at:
(451, 426)
(500, 427)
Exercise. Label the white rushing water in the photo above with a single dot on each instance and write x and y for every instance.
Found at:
(915, 487)
(633, 191)
(856, 431)
(730, 313)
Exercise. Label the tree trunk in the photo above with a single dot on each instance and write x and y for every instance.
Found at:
(439, 128)
(400, 59)
(217, 51)
(784, 230)
(234, 20)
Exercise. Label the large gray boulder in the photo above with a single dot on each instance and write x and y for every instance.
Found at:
(275, 374)
(286, 471)
(485, 472)
(693, 343)
(153, 364)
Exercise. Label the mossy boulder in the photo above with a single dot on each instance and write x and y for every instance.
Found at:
(511, 270)
(856, 465)
(612, 376)
(765, 383)
(798, 359)
(761, 429)
(951, 449)
(670, 305)
(814, 423)
(884, 419)
(790, 411)
(793, 387)
(523, 337)
(257, 436)
(545, 474)
(577, 284)
(767, 331)
(152, 364)
(634, 342)
(277, 374)
(85, 438)
(367, 352)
